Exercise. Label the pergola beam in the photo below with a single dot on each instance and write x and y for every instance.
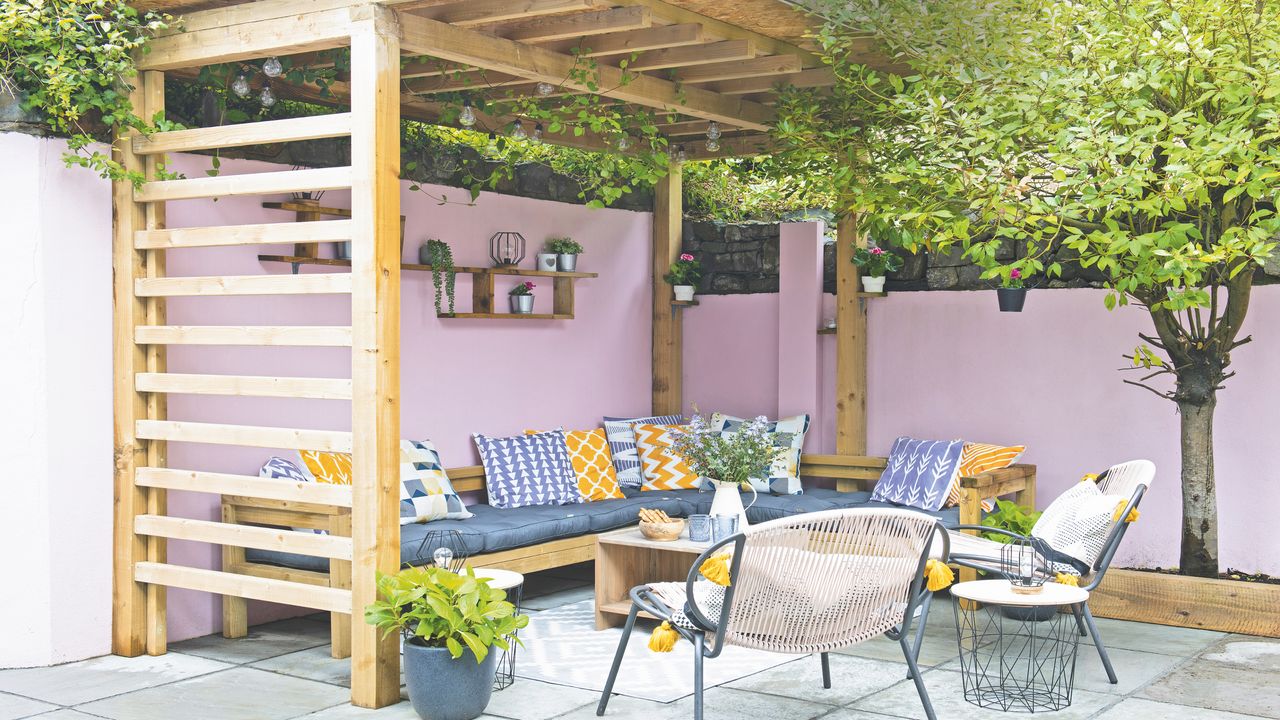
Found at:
(480, 12)
(573, 26)
(304, 32)
(654, 38)
(429, 37)
(769, 66)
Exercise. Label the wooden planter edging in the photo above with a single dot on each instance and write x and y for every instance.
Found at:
(1201, 603)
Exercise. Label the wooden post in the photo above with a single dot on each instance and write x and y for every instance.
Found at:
(668, 222)
(375, 351)
(851, 345)
(307, 250)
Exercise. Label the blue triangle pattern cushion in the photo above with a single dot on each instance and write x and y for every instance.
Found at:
(919, 473)
(277, 468)
(528, 470)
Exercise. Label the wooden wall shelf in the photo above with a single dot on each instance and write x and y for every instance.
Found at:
(826, 331)
(683, 303)
(505, 316)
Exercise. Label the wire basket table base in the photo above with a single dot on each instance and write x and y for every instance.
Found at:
(1016, 659)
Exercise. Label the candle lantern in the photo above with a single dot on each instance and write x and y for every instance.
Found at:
(506, 248)
(1024, 565)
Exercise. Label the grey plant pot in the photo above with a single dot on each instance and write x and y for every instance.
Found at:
(342, 250)
(522, 304)
(567, 263)
(441, 688)
(1038, 613)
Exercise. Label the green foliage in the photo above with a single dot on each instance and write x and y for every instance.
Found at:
(1012, 517)
(72, 61)
(524, 288)
(437, 608)
(687, 270)
(732, 457)
(443, 274)
(738, 189)
(875, 261)
(564, 246)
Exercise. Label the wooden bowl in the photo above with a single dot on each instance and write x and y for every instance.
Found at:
(662, 531)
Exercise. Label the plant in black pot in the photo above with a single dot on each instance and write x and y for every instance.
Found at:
(1012, 294)
(452, 624)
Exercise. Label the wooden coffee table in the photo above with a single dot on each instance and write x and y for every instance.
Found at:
(625, 559)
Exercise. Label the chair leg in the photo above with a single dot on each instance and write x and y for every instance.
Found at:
(698, 642)
(826, 671)
(923, 621)
(1097, 642)
(617, 660)
(1084, 631)
(913, 672)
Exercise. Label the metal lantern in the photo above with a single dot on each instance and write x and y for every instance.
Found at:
(506, 248)
(446, 548)
(1023, 564)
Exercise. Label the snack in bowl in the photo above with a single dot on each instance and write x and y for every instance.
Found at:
(657, 525)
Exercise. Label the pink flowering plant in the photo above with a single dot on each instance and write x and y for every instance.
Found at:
(875, 262)
(1012, 279)
(684, 271)
(524, 288)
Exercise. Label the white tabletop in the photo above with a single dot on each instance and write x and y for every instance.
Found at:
(500, 579)
(633, 537)
(998, 592)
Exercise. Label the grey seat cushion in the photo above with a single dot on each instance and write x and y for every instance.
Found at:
(612, 514)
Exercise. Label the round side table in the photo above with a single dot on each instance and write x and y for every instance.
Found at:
(1017, 652)
(513, 583)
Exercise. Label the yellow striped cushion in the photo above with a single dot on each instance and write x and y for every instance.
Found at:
(977, 458)
(662, 468)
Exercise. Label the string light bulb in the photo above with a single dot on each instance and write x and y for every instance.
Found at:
(713, 145)
(681, 155)
(544, 88)
(713, 130)
(266, 97)
(537, 133)
(467, 117)
(518, 132)
(272, 67)
(624, 142)
(491, 148)
(240, 86)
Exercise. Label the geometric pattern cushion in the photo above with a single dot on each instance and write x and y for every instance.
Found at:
(977, 458)
(919, 472)
(663, 468)
(622, 445)
(425, 491)
(592, 464)
(277, 468)
(783, 474)
(1076, 523)
(332, 468)
(528, 470)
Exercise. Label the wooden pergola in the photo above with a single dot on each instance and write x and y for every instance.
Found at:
(695, 60)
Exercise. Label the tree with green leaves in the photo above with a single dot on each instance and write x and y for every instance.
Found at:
(1137, 138)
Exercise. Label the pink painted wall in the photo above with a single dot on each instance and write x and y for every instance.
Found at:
(458, 376)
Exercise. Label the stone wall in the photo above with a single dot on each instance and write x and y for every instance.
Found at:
(736, 259)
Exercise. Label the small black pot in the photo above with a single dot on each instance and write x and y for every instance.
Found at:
(1035, 613)
(1011, 299)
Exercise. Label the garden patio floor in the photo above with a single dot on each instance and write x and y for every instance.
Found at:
(283, 671)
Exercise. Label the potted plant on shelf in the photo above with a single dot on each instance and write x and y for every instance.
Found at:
(522, 298)
(1012, 294)
(567, 252)
(439, 256)
(451, 624)
(728, 460)
(684, 275)
(874, 263)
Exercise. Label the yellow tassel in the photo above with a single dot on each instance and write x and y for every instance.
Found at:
(663, 638)
(1090, 477)
(716, 569)
(1133, 514)
(938, 575)
(1065, 579)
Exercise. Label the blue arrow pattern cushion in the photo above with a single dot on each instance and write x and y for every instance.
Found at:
(919, 472)
(528, 470)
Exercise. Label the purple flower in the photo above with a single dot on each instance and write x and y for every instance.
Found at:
(528, 285)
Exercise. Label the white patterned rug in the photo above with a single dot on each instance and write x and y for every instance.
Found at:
(562, 646)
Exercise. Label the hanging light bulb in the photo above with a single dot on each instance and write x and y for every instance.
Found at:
(266, 97)
(537, 133)
(491, 148)
(681, 155)
(713, 130)
(544, 88)
(518, 132)
(713, 145)
(240, 86)
(271, 67)
(467, 117)
(624, 142)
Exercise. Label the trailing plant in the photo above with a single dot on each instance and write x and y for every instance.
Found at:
(876, 262)
(524, 288)
(443, 274)
(72, 61)
(686, 270)
(564, 246)
(733, 457)
(1010, 516)
(433, 607)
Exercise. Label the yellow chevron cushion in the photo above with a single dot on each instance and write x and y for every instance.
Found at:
(661, 467)
(592, 464)
(977, 458)
(333, 468)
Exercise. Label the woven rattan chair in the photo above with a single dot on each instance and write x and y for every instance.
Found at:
(1126, 480)
(812, 583)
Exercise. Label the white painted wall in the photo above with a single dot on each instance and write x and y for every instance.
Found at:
(55, 391)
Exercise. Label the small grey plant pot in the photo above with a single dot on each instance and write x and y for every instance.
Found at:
(548, 262)
(342, 250)
(522, 304)
(568, 262)
(441, 688)
(424, 254)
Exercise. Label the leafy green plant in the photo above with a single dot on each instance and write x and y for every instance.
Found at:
(564, 246)
(875, 261)
(733, 457)
(686, 270)
(443, 274)
(434, 607)
(1010, 516)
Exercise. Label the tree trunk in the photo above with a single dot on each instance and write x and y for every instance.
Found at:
(1199, 499)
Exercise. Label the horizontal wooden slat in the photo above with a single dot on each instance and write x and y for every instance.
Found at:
(296, 31)
(306, 508)
(755, 67)
(546, 29)
(306, 577)
(246, 385)
(256, 234)
(478, 12)
(686, 56)
(263, 335)
(248, 435)
(631, 41)
(253, 184)
(318, 284)
(245, 586)
(284, 518)
(248, 536)
(245, 485)
(310, 127)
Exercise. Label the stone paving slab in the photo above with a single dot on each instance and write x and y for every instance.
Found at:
(1162, 639)
(1220, 686)
(1133, 708)
(947, 694)
(262, 642)
(237, 694)
(1244, 651)
(13, 707)
(852, 678)
(100, 677)
(533, 700)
